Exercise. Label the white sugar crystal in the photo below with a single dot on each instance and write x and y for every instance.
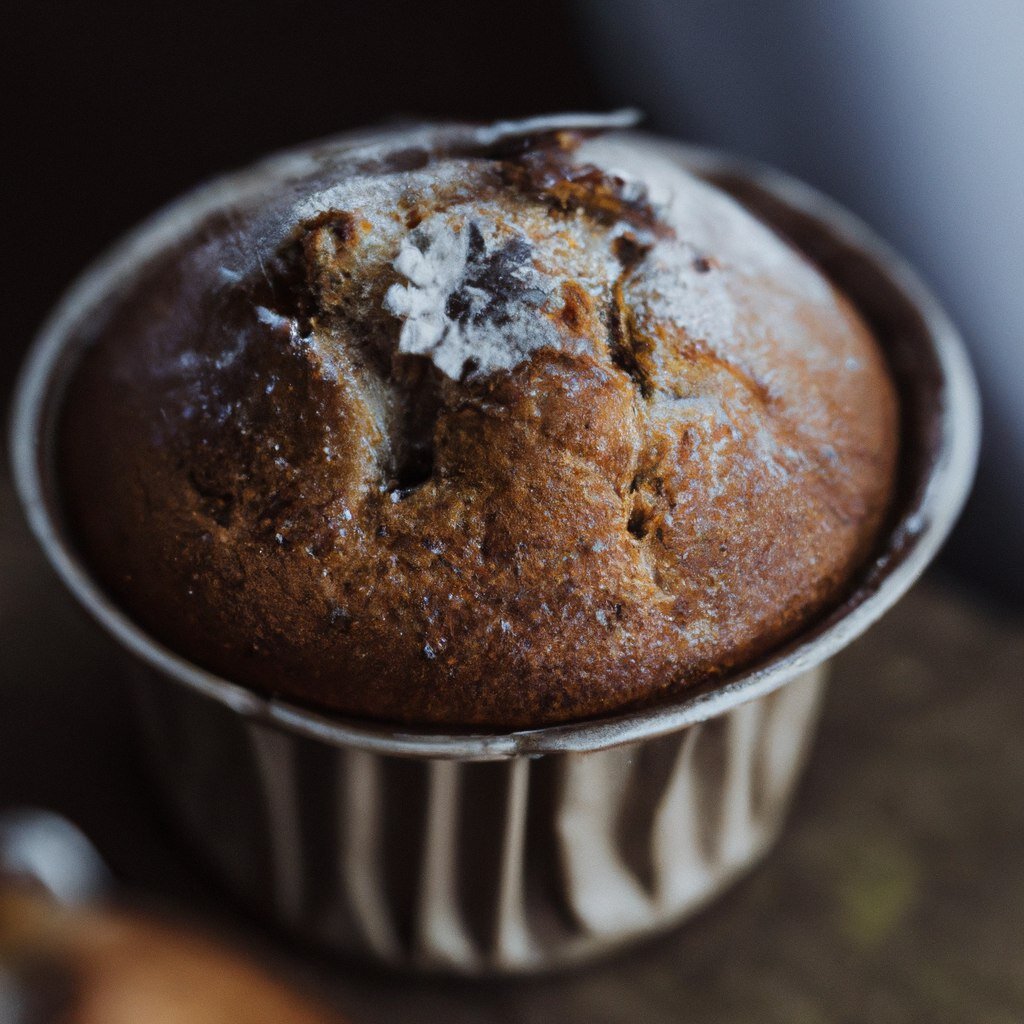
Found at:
(434, 259)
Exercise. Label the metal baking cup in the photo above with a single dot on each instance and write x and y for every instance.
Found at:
(521, 851)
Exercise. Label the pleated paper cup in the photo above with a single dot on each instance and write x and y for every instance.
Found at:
(495, 853)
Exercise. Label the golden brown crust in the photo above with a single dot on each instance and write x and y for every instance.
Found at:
(299, 503)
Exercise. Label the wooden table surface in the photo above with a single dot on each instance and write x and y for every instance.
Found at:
(895, 895)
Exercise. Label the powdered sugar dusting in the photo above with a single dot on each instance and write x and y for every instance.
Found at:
(704, 216)
(471, 309)
(433, 261)
(481, 270)
(469, 322)
(700, 277)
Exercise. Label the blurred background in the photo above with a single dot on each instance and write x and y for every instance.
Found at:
(912, 114)
(898, 888)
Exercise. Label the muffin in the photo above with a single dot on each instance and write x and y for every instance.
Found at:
(488, 427)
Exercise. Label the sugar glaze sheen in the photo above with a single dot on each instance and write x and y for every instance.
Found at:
(494, 427)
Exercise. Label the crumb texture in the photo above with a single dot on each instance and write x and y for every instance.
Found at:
(488, 427)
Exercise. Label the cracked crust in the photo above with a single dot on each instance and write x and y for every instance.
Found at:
(499, 435)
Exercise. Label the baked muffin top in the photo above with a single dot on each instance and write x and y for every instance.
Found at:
(492, 427)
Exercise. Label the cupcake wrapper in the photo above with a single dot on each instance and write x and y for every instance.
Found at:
(477, 867)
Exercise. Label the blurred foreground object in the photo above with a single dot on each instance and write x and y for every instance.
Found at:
(61, 964)
(912, 114)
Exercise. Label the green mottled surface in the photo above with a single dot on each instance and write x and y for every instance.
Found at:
(896, 894)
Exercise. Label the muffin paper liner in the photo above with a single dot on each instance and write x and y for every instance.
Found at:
(482, 854)
(478, 867)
